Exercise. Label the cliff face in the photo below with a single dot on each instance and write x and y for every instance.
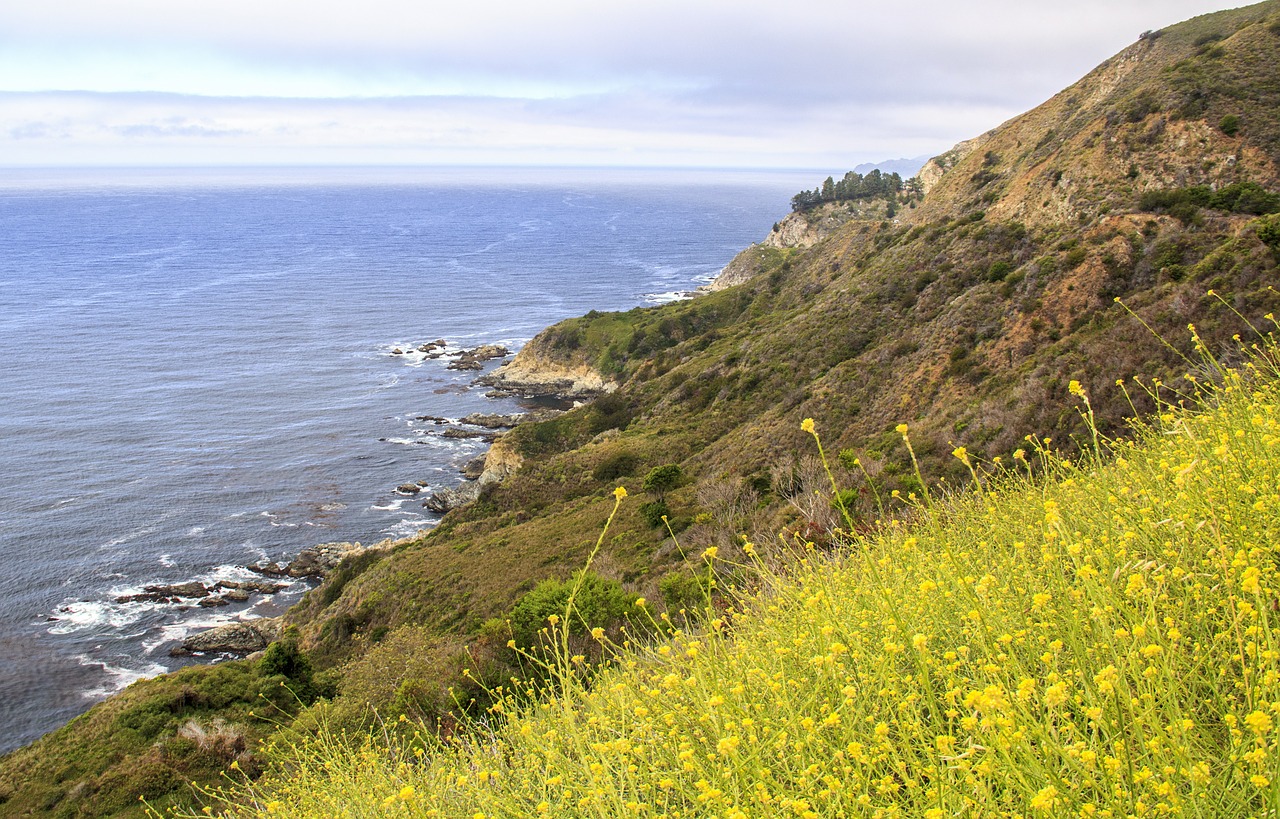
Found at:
(807, 228)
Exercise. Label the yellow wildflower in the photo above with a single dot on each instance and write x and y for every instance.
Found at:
(1259, 722)
(1046, 799)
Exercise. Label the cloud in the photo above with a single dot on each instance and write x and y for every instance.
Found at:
(818, 83)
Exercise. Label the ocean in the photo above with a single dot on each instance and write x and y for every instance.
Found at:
(197, 371)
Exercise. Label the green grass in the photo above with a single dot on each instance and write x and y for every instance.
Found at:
(1089, 637)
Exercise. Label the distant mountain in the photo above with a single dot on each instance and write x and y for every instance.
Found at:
(906, 168)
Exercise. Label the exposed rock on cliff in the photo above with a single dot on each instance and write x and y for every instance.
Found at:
(533, 372)
(242, 637)
(935, 168)
(743, 268)
(806, 228)
(315, 561)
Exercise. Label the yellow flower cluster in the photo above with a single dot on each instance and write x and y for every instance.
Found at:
(1098, 643)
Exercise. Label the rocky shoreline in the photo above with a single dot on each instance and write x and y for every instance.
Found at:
(248, 636)
(529, 375)
(245, 637)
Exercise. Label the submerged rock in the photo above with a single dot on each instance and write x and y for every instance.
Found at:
(271, 569)
(259, 586)
(162, 593)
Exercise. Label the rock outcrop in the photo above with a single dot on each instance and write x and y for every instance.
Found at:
(474, 359)
(240, 637)
(446, 500)
(314, 561)
(319, 560)
(533, 373)
(935, 168)
(500, 462)
(807, 228)
(490, 420)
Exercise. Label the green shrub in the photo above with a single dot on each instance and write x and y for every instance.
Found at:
(1268, 229)
(682, 591)
(1230, 125)
(618, 465)
(662, 479)
(599, 602)
(654, 511)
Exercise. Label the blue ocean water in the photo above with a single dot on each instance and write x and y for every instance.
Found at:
(196, 371)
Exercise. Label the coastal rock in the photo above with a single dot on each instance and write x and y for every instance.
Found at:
(319, 560)
(161, 593)
(743, 267)
(492, 420)
(271, 569)
(532, 373)
(190, 589)
(473, 468)
(408, 489)
(259, 586)
(240, 637)
(236, 595)
(484, 435)
(446, 500)
(216, 600)
(500, 462)
(475, 358)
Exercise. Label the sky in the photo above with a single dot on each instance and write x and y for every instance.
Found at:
(822, 84)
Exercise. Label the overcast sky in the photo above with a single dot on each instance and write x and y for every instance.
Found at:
(822, 84)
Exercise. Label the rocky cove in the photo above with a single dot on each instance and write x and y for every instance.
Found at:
(550, 386)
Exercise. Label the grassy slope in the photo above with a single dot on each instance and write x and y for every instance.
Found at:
(1097, 643)
(966, 319)
(961, 321)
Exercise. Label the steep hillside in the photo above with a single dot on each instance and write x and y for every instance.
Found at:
(965, 315)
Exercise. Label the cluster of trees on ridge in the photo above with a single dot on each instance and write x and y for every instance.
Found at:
(852, 187)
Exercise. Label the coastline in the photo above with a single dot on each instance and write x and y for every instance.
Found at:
(546, 389)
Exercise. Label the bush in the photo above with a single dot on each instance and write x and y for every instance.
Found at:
(284, 658)
(1268, 230)
(654, 511)
(662, 479)
(682, 591)
(1230, 125)
(599, 603)
(618, 465)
